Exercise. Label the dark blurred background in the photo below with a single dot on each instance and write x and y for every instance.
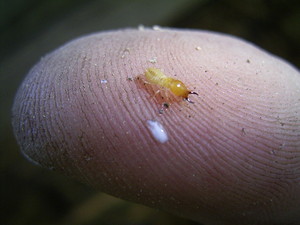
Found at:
(31, 28)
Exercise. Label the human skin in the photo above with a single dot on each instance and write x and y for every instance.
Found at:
(232, 157)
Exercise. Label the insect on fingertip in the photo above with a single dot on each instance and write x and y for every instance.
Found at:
(177, 87)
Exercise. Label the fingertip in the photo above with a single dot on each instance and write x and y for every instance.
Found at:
(78, 111)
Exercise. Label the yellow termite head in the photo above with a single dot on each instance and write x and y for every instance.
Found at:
(178, 88)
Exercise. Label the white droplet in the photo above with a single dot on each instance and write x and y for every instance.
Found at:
(158, 131)
(103, 81)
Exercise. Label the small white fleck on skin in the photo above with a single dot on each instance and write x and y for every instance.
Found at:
(103, 81)
(153, 60)
(141, 27)
(156, 28)
(158, 131)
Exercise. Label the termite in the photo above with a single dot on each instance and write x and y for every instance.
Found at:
(177, 87)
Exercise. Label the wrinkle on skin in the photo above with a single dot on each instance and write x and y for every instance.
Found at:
(233, 157)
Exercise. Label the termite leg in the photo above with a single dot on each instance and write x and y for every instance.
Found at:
(156, 92)
(146, 82)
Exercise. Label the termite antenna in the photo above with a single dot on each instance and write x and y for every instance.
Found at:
(193, 93)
